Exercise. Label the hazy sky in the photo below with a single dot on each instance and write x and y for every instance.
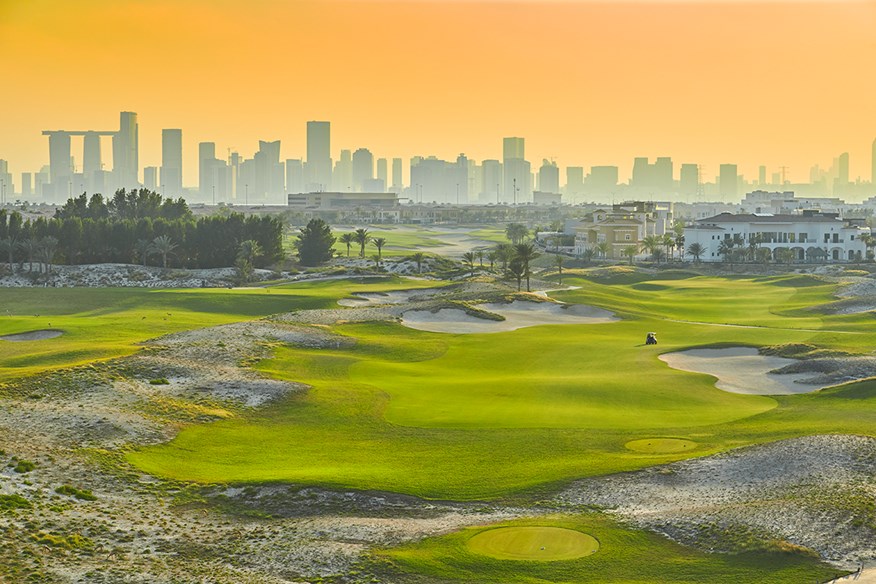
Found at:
(586, 83)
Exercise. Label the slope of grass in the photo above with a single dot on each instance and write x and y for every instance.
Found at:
(102, 323)
(479, 416)
(625, 555)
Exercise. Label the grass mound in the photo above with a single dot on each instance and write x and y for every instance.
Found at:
(544, 544)
(660, 445)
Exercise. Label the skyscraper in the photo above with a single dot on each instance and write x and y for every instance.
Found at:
(516, 170)
(761, 176)
(728, 182)
(382, 170)
(319, 159)
(397, 172)
(549, 177)
(206, 156)
(689, 180)
(126, 155)
(363, 168)
(171, 162)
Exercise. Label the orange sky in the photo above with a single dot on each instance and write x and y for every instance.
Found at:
(585, 82)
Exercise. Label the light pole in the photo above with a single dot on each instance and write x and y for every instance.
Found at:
(247, 194)
(515, 191)
(457, 194)
(497, 194)
(214, 195)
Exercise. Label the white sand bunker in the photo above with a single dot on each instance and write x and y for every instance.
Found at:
(742, 370)
(392, 297)
(33, 336)
(518, 314)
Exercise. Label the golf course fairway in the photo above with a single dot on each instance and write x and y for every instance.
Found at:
(479, 416)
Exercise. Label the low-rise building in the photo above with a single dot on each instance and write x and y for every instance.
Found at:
(811, 235)
(622, 226)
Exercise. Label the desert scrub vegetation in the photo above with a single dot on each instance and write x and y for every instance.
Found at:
(11, 502)
(72, 541)
(24, 466)
(81, 494)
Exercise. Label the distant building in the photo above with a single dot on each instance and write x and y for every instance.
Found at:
(126, 152)
(328, 201)
(728, 182)
(363, 168)
(517, 171)
(622, 226)
(319, 160)
(171, 162)
(546, 198)
(549, 177)
(812, 236)
(689, 180)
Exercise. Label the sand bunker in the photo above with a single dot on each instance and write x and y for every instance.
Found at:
(33, 336)
(518, 314)
(393, 297)
(742, 370)
(546, 544)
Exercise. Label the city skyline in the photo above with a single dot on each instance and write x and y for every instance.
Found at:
(587, 84)
(268, 178)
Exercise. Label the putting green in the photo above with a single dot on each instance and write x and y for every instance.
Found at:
(660, 445)
(544, 544)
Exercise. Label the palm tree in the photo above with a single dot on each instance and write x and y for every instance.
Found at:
(603, 247)
(726, 249)
(517, 270)
(143, 248)
(785, 254)
(379, 242)
(869, 242)
(525, 253)
(516, 232)
(480, 254)
(669, 243)
(247, 253)
(469, 259)
(48, 248)
(348, 239)
(696, 250)
(362, 238)
(504, 253)
(657, 255)
(376, 259)
(650, 243)
(630, 252)
(418, 257)
(587, 254)
(163, 245)
(558, 262)
(492, 257)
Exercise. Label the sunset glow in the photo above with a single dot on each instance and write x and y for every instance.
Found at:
(586, 83)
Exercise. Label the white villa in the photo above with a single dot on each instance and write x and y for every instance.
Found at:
(811, 235)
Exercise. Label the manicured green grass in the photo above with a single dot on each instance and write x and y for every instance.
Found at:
(101, 323)
(479, 416)
(533, 542)
(624, 555)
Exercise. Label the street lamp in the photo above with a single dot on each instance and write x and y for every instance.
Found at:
(214, 195)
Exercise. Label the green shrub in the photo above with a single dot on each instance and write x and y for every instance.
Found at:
(70, 542)
(9, 502)
(159, 381)
(24, 466)
(81, 494)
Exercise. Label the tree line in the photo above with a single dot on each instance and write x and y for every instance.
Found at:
(137, 226)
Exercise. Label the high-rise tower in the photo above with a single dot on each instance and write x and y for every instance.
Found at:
(319, 158)
(126, 155)
(171, 162)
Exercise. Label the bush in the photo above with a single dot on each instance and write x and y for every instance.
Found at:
(9, 502)
(159, 381)
(24, 466)
(81, 494)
